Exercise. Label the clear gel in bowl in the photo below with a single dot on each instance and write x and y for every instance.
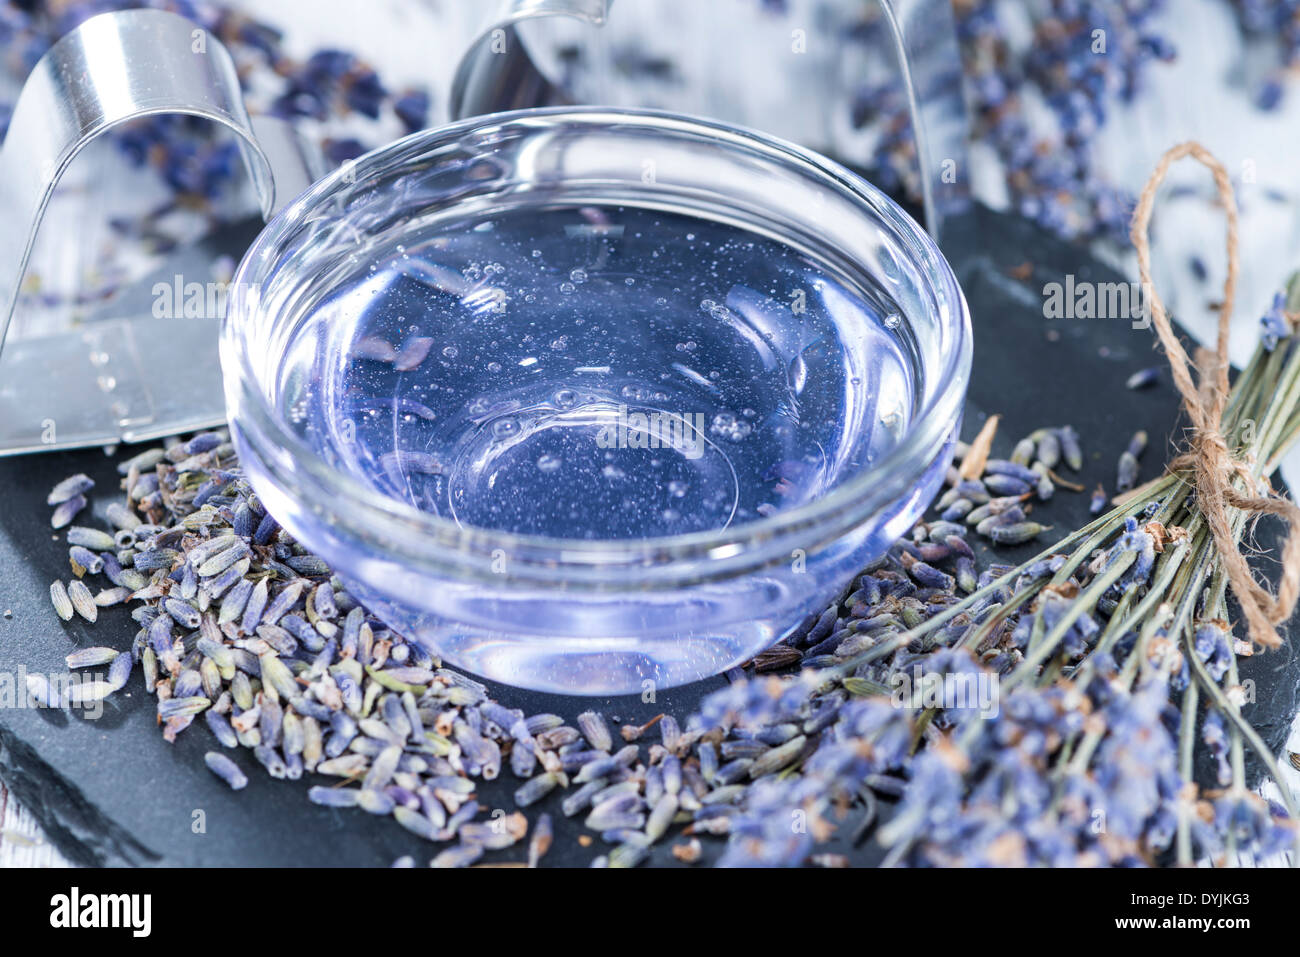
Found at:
(585, 400)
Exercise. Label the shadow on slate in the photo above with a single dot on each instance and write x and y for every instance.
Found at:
(113, 792)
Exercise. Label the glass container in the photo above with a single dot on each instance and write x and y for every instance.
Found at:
(595, 401)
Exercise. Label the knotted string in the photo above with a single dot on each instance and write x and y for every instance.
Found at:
(1210, 459)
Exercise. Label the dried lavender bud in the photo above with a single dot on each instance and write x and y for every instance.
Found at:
(62, 603)
(183, 613)
(221, 729)
(70, 487)
(1013, 469)
(333, 797)
(112, 596)
(628, 854)
(1143, 378)
(929, 576)
(82, 600)
(536, 789)
(617, 813)
(957, 510)
(214, 563)
(1071, 451)
(91, 538)
(142, 462)
(1024, 451)
(119, 670)
(595, 730)
(122, 518)
(1126, 473)
(462, 855)
(973, 490)
(83, 693)
(42, 692)
(1016, 534)
(226, 769)
(1002, 485)
(90, 657)
(1049, 448)
(1043, 484)
(1011, 516)
(253, 609)
(181, 707)
(540, 842)
(67, 511)
(965, 578)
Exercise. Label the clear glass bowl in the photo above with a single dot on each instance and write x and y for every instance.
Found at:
(423, 351)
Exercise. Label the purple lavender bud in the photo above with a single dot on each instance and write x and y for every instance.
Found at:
(1023, 453)
(1003, 485)
(1049, 448)
(1143, 378)
(1126, 473)
(1071, 451)
(1013, 469)
(958, 510)
(966, 574)
(1016, 534)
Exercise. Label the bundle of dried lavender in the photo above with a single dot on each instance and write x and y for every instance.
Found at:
(1087, 759)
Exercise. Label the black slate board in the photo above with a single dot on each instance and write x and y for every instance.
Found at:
(112, 792)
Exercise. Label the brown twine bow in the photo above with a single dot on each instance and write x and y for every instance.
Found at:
(1210, 460)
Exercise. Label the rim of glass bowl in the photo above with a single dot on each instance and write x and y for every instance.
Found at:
(443, 546)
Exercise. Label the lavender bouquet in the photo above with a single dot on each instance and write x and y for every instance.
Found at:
(1108, 651)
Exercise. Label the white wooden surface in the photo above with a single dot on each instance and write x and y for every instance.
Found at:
(21, 842)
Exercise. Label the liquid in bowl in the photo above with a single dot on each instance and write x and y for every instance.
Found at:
(627, 400)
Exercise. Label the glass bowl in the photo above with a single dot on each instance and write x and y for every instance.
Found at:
(595, 401)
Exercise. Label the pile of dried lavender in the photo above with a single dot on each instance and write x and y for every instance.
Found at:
(1020, 716)
(992, 495)
(240, 625)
